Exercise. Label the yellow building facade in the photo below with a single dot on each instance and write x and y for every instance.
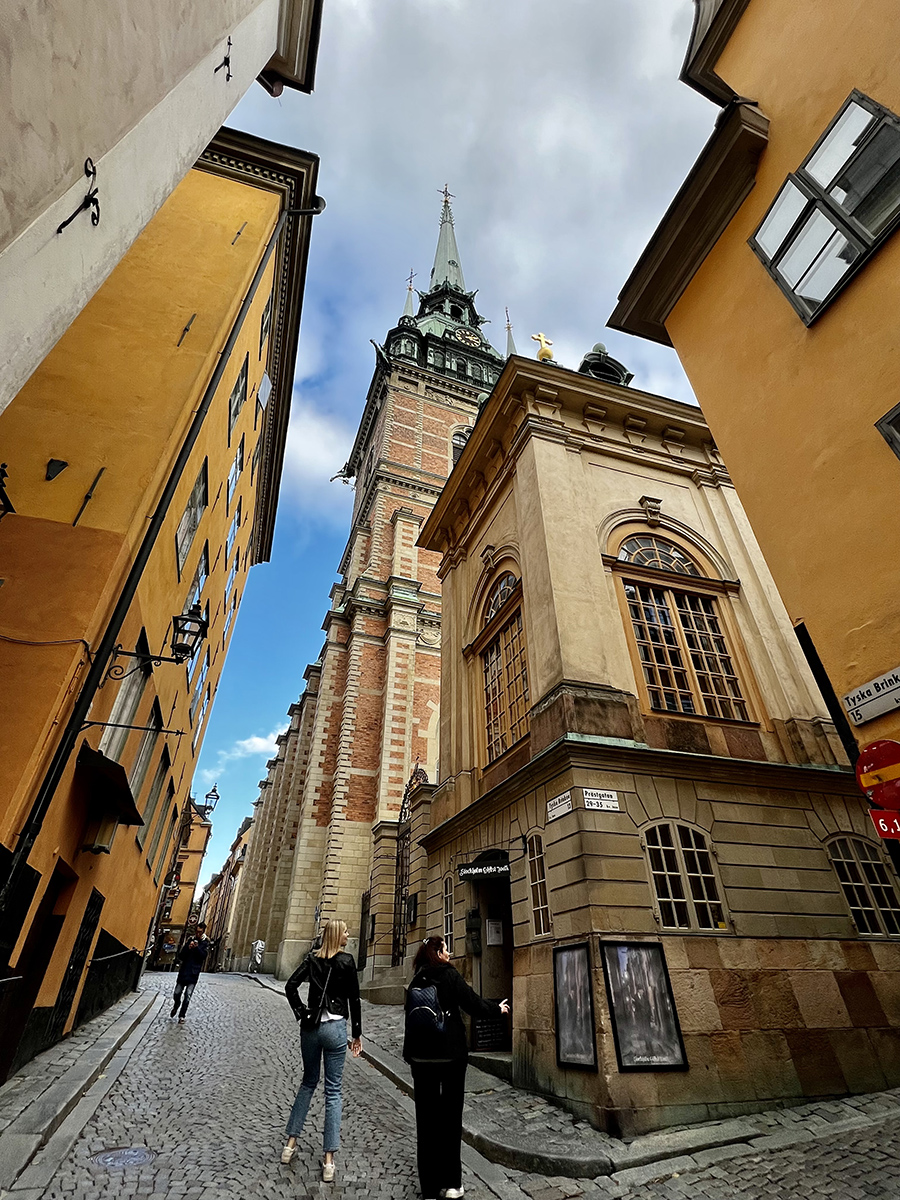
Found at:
(143, 460)
(775, 274)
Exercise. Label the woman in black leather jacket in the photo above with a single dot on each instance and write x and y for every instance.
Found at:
(333, 997)
(440, 1084)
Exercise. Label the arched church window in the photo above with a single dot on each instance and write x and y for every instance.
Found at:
(867, 885)
(475, 370)
(646, 550)
(456, 312)
(505, 672)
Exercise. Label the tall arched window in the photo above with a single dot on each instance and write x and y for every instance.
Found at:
(448, 913)
(684, 880)
(867, 885)
(540, 908)
(686, 663)
(505, 672)
(458, 443)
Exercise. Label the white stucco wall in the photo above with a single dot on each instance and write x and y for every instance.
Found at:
(45, 278)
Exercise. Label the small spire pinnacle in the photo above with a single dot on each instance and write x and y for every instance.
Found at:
(510, 342)
(408, 307)
(447, 267)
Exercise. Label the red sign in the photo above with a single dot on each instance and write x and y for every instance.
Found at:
(887, 824)
(878, 773)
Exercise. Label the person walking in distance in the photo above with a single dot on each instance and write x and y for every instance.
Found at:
(434, 1045)
(333, 998)
(190, 963)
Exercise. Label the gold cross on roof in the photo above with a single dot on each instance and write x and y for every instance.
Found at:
(446, 193)
(544, 351)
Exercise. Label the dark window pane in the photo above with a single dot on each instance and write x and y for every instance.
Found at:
(870, 187)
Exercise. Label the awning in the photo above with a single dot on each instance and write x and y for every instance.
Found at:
(105, 783)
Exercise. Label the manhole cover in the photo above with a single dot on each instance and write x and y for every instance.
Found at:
(124, 1156)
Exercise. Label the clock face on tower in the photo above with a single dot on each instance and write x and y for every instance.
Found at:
(469, 336)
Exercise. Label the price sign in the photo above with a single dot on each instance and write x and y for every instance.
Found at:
(887, 823)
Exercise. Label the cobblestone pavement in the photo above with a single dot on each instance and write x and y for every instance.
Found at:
(210, 1098)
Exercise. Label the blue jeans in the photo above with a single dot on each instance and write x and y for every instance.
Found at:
(330, 1041)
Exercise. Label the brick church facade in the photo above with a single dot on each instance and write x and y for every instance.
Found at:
(370, 711)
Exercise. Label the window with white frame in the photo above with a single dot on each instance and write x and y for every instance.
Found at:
(126, 704)
(540, 908)
(684, 880)
(145, 751)
(233, 531)
(198, 583)
(190, 520)
(448, 913)
(198, 686)
(867, 885)
(161, 858)
(265, 324)
(231, 610)
(201, 717)
(156, 789)
(238, 397)
(232, 576)
(836, 210)
(234, 473)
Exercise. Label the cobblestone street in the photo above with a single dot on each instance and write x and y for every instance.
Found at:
(208, 1099)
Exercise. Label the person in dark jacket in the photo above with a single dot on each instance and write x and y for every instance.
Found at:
(333, 996)
(190, 963)
(440, 1085)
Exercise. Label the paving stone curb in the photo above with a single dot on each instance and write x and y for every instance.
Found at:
(51, 1121)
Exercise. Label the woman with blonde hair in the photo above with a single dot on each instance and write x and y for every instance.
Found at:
(333, 997)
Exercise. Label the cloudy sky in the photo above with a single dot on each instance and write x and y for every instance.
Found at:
(563, 133)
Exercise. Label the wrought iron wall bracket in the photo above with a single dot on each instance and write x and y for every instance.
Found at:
(120, 671)
(90, 201)
(226, 63)
(119, 725)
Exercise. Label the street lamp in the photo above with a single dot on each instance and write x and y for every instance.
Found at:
(211, 798)
(188, 631)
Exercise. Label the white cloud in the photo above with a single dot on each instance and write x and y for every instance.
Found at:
(250, 747)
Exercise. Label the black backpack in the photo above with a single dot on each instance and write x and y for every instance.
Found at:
(426, 1024)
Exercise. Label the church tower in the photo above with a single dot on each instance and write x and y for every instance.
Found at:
(378, 676)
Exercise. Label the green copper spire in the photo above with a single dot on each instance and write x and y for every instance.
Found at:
(446, 267)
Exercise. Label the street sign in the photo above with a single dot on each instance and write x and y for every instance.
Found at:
(559, 806)
(887, 824)
(878, 772)
(873, 699)
(598, 799)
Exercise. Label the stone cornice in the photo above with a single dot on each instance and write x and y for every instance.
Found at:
(583, 752)
(714, 23)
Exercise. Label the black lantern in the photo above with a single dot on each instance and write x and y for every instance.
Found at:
(188, 631)
(211, 799)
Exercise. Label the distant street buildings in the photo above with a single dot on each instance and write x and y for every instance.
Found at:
(220, 898)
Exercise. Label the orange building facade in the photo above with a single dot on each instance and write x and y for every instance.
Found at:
(142, 465)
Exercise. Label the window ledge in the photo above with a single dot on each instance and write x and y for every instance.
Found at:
(717, 186)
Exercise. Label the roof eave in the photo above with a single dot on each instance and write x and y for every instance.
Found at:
(299, 30)
(714, 23)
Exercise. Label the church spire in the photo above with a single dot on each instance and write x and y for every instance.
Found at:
(408, 310)
(446, 267)
(510, 342)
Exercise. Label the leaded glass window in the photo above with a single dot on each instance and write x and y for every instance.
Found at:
(540, 907)
(500, 593)
(645, 550)
(684, 881)
(867, 885)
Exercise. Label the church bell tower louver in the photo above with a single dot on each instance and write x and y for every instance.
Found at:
(375, 710)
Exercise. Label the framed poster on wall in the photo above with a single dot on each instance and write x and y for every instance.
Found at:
(574, 1003)
(641, 1007)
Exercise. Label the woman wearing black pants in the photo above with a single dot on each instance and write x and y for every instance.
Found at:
(440, 1084)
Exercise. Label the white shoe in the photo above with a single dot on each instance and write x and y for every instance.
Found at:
(328, 1172)
(288, 1153)
(453, 1193)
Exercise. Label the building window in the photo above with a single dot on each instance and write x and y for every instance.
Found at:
(156, 787)
(685, 660)
(235, 472)
(265, 324)
(145, 751)
(833, 213)
(201, 717)
(238, 396)
(190, 521)
(198, 686)
(233, 531)
(126, 704)
(866, 884)
(458, 443)
(199, 581)
(170, 797)
(229, 619)
(232, 576)
(505, 672)
(540, 909)
(687, 893)
(645, 550)
(448, 913)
